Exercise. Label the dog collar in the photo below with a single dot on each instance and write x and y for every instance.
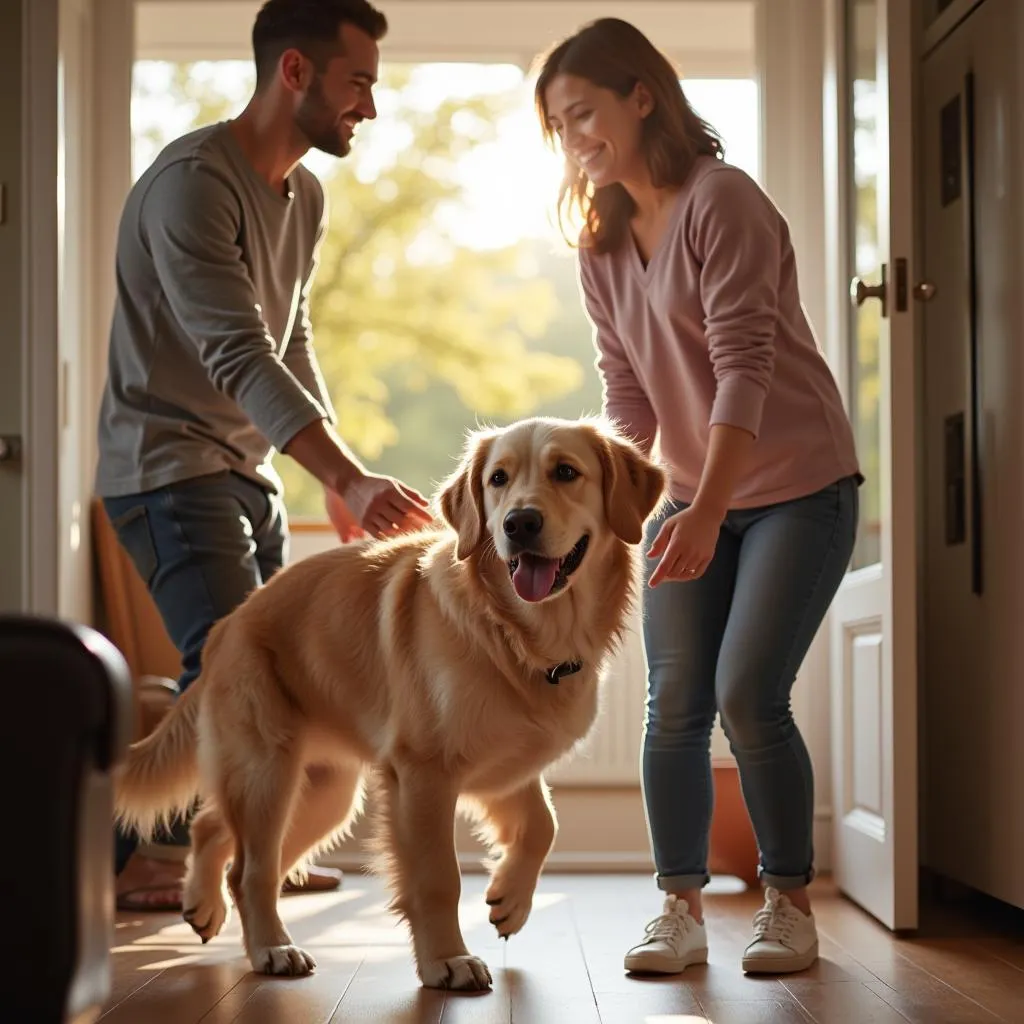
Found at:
(562, 669)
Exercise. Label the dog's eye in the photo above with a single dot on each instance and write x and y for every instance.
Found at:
(564, 473)
(499, 478)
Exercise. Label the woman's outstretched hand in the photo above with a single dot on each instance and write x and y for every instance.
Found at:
(686, 544)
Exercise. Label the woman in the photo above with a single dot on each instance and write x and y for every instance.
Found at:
(689, 278)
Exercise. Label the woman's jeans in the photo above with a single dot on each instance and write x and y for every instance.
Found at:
(731, 642)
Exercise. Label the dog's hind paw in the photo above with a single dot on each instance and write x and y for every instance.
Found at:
(462, 973)
(282, 960)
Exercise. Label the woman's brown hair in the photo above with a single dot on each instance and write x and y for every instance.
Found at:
(613, 54)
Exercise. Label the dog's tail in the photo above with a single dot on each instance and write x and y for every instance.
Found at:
(159, 779)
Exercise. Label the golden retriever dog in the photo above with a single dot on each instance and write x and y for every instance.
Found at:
(452, 666)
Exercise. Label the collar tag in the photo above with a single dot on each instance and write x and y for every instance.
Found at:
(559, 671)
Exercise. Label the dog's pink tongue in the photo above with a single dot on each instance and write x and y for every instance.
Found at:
(534, 577)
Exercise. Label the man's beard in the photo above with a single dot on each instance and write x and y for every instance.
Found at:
(318, 121)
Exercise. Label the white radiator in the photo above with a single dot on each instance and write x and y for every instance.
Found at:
(611, 754)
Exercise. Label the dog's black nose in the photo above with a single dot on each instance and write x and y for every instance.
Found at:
(523, 524)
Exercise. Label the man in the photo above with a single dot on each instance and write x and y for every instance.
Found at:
(211, 364)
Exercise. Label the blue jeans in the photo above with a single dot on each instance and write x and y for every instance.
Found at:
(201, 546)
(731, 642)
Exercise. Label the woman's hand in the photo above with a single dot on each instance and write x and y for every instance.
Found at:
(688, 539)
(686, 544)
(346, 525)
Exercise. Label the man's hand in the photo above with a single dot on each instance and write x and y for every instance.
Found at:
(345, 524)
(385, 498)
(383, 506)
(379, 505)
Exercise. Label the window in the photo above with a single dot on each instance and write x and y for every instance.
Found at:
(864, 381)
(445, 296)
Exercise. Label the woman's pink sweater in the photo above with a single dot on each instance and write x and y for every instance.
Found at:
(712, 330)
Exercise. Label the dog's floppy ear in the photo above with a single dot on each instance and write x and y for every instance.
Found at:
(462, 497)
(633, 486)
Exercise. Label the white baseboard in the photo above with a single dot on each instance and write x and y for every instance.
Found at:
(591, 858)
(600, 829)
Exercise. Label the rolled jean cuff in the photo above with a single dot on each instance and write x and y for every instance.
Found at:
(784, 882)
(682, 883)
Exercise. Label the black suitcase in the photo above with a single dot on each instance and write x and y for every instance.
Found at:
(67, 719)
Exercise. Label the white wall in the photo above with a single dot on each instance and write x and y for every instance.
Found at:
(75, 383)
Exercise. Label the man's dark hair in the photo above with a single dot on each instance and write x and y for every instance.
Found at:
(310, 26)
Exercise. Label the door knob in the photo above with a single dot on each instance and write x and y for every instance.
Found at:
(10, 448)
(861, 292)
(924, 291)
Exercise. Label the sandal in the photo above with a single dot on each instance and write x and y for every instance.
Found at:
(317, 880)
(128, 901)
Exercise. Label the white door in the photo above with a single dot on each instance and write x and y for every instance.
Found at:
(874, 619)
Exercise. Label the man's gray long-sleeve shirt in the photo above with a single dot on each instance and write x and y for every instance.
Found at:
(211, 363)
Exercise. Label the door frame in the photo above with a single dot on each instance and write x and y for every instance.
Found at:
(45, 403)
(904, 611)
(39, 306)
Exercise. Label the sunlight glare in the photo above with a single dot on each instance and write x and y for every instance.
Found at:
(164, 965)
(510, 183)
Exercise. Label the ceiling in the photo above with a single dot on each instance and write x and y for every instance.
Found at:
(707, 38)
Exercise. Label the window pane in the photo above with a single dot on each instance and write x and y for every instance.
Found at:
(730, 106)
(864, 259)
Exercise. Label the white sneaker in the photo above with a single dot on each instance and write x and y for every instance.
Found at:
(785, 939)
(673, 941)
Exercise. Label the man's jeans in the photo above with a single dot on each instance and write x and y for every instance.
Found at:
(201, 546)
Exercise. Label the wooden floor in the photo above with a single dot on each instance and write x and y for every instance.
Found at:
(566, 966)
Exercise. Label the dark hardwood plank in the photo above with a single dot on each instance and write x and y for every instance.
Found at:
(758, 1011)
(923, 999)
(969, 969)
(841, 1002)
(548, 978)
(671, 1002)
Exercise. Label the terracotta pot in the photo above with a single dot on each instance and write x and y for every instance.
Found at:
(733, 848)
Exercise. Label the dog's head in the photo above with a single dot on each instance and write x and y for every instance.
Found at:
(548, 494)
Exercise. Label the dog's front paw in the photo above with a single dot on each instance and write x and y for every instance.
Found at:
(207, 913)
(283, 960)
(464, 973)
(510, 897)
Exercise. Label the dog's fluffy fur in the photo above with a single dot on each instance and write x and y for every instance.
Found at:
(414, 660)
